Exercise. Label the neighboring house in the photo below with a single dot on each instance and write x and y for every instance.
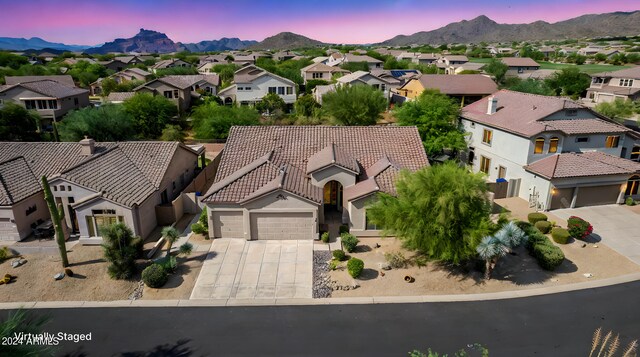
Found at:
(119, 97)
(113, 65)
(251, 84)
(50, 99)
(96, 184)
(215, 59)
(338, 59)
(610, 53)
(469, 66)
(426, 58)
(502, 51)
(321, 59)
(466, 88)
(126, 75)
(129, 60)
(519, 65)
(319, 91)
(242, 60)
(609, 86)
(320, 71)
(408, 56)
(590, 51)
(552, 151)
(74, 61)
(170, 63)
(362, 77)
(451, 60)
(284, 55)
(396, 77)
(290, 182)
(65, 79)
(175, 88)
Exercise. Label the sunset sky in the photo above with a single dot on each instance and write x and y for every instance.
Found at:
(91, 22)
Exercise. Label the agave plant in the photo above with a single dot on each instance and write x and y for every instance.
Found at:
(511, 235)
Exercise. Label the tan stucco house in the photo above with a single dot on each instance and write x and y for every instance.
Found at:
(609, 86)
(287, 182)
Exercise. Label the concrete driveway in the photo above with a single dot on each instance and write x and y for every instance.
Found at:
(236, 268)
(617, 225)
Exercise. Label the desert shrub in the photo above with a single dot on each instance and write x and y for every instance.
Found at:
(138, 243)
(185, 249)
(119, 250)
(548, 256)
(536, 217)
(525, 226)
(349, 242)
(543, 226)
(333, 265)
(630, 201)
(560, 235)
(339, 255)
(204, 219)
(343, 229)
(324, 237)
(199, 228)
(421, 260)
(579, 228)
(169, 263)
(535, 239)
(355, 267)
(4, 253)
(154, 276)
(396, 260)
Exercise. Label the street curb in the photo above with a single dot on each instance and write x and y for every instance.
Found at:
(328, 301)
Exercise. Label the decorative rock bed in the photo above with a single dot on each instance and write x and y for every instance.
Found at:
(137, 292)
(321, 281)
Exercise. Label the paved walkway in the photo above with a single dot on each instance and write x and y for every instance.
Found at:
(240, 269)
(617, 226)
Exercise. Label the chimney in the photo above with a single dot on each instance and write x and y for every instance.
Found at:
(492, 105)
(87, 146)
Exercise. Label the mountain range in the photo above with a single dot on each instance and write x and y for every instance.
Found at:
(484, 29)
(476, 30)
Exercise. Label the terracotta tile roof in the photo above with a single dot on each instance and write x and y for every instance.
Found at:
(582, 164)
(17, 182)
(112, 167)
(253, 156)
(62, 79)
(332, 155)
(633, 72)
(519, 62)
(379, 177)
(49, 88)
(468, 84)
(615, 90)
(523, 114)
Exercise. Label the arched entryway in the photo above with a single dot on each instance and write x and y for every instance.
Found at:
(633, 186)
(332, 197)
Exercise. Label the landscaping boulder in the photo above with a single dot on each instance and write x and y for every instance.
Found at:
(59, 276)
(384, 266)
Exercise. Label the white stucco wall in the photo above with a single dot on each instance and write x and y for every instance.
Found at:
(260, 88)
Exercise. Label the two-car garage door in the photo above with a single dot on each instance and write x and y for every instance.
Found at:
(587, 196)
(264, 225)
(282, 226)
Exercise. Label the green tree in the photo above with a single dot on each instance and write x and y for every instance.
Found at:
(8, 59)
(312, 83)
(18, 124)
(170, 235)
(306, 105)
(355, 105)
(618, 110)
(119, 250)
(442, 211)
(436, 116)
(172, 133)
(225, 71)
(355, 66)
(530, 85)
(570, 82)
(108, 122)
(213, 121)
(496, 68)
(108, 85)
(150, 113)
(271, 103)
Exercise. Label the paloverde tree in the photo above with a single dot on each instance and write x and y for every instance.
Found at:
(436, 117)
(441, 211)
(617, 110)
(150, 114)
(355, 105)
(570, 82)
(108, 122)
(496, 68)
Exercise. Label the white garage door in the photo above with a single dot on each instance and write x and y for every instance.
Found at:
(282, 226)
(227, 224)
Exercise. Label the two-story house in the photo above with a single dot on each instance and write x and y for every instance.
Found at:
(49, 98)
(169, 63)
(320, 71)
(609, 86)
(449, 63)
(251, 84)
(126, 75)
(466, 88)
(552, 151)
(338, 59)
(520, 65)
(175, 88)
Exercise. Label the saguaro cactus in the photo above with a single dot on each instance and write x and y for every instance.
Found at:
(57, 214)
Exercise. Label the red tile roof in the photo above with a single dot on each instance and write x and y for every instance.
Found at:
(582, 164)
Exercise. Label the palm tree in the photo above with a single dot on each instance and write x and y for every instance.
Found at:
(492, 248)
(170, 235)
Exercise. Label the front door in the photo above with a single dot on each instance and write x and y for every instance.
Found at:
(333, 196)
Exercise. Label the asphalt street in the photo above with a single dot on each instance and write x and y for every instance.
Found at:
(549, 325)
